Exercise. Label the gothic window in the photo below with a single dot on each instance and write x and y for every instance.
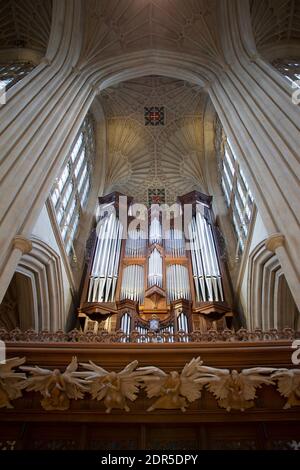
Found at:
(10, 74)
(289, 68)
(237, 195)
(70, 191)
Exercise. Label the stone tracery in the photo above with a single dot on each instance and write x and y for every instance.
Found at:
(168, 156)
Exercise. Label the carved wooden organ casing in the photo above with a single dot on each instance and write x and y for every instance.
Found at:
(157, 273)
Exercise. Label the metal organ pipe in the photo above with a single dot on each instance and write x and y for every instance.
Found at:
(206, 272)
(178, 282)
(135, 244)
(133, 283)
(175, 243)
(182, 324)
(105, 267)
(126, 325)
(155, 232)
(155, 269)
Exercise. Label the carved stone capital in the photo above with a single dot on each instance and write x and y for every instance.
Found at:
(207, 85)
(22, 244)
(274, 241)
(254, 57)
(45, 61)
(95, 89)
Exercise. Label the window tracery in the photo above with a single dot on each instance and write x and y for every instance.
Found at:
(10, 74)
(70, 191)
(290, 68)
(238, 197)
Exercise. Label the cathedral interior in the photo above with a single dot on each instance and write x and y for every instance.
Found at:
(149, 233)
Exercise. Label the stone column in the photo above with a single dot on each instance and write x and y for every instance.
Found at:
(255, 107)
(38, 123)
(20, 246)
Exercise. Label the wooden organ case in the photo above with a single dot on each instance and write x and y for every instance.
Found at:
(159, 277)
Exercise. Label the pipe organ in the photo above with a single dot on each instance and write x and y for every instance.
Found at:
(175, 243)
(155, 269)
(135, 246)
(206, 271)
(104, 275)
(160, 280)
(178, 284)
(133, 283)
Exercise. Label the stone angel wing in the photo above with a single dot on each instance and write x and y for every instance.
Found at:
(191, 380)
(251, 379)
(95, 378)
(175, 388)
(131, 378)
(216, 380)
(74, 382)
(43, 380)
(154, 380)
(10, 381)
(125, 382)
(288, 384)
(9, 364)
(115, 387)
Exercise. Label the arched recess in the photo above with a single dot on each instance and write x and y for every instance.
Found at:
(19, 306)
(270, 302)
(35, 297)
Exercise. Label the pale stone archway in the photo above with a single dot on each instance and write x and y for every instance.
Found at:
(36, 291)
(251, 99)
(270, 303)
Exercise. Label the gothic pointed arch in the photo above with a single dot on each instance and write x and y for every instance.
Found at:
(270, 302)
(35, 298)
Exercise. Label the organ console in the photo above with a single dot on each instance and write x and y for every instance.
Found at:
(161, 276)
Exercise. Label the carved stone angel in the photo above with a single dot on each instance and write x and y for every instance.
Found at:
(175, 389)
(288, 384)
(236, 390)
(10, 381)
(56, 387)
(115, 387)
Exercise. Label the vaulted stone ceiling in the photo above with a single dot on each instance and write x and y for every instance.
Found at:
(275, 22)
(113, 27)
(142, 157)
(25, 24)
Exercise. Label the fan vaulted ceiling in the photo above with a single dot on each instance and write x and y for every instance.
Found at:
(117, 26)
(112, 27)
(275, 21)
(142, 157)
(25, 24)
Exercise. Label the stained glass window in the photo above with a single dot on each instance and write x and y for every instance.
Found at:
(70, 191)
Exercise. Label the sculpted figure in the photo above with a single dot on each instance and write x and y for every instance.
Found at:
(175, 389)
(10, 381)
(115, 388)
(236, 390)
(57, 388)
(288, 385)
